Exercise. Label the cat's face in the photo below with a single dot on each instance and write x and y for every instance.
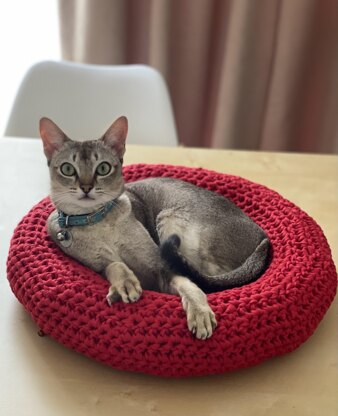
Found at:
(84, 175)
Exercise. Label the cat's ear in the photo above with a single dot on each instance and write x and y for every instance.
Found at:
(115, 136)
(52, 136)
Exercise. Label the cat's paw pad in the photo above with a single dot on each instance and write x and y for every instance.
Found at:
(201, 321)
(129, 290)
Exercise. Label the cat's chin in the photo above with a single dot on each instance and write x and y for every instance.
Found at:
(89, 202)
(81, 206)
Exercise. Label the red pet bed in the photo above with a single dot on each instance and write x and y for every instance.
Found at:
(269, 317)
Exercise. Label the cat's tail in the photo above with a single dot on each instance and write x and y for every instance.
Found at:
(247, 272)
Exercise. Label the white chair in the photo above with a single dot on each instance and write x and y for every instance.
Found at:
(85, 99)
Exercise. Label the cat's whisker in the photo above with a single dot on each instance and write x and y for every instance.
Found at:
(61, 197)
(109, 194)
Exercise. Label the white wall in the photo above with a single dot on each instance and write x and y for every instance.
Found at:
(28, 33)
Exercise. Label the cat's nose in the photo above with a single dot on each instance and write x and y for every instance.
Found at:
(86, 188)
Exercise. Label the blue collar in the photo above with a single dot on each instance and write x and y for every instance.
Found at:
(65, 220)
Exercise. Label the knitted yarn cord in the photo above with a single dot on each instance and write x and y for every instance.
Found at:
(269, 317)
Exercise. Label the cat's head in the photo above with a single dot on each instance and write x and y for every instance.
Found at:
(84, 175)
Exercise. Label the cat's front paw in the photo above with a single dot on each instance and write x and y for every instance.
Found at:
(201, 321)
(128, 289)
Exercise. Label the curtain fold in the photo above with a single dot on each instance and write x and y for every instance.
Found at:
(241, 73)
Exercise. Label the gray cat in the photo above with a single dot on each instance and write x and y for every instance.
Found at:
(158, 234)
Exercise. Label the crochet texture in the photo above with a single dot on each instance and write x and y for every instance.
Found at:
(269, 317)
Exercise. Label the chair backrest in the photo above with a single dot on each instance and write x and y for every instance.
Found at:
(85, 99)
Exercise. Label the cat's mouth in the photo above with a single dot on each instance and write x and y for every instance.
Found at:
(86, 198)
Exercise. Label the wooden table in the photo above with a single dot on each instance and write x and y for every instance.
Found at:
(41, 377)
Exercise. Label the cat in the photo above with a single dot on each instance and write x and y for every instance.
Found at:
(159, 234)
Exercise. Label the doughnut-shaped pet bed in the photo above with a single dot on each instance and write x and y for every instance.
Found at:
(269, 317)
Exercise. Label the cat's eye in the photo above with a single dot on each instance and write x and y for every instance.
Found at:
(67, 169)
(103, 169)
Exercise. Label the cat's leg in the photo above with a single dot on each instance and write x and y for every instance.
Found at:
(200, 317)
(124, 284)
